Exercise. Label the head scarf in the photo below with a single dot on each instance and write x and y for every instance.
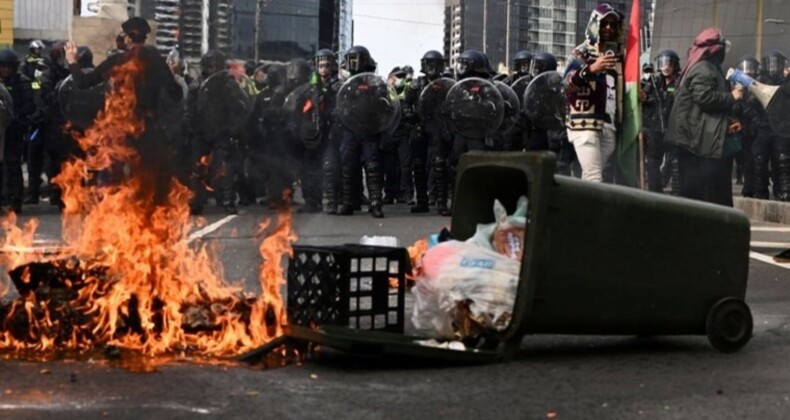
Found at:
(707, 44)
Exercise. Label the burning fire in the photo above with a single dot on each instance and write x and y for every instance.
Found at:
(127, 275)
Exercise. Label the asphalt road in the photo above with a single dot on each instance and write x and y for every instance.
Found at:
(561, 377)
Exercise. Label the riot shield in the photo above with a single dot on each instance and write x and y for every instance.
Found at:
(431, 102)
(777, 111)
(544, 101)
(222, 103)
(6, 115)
(520, 86)
(475, 108)
(511, 107)
(302, 117)
(366, 105)
(80, 106)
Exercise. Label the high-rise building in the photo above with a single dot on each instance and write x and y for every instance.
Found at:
(288, 30)
(494, 27)
(555, 26)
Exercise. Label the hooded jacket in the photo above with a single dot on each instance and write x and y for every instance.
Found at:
(586, 92)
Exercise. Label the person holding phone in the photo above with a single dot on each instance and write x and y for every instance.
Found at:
(594, 86)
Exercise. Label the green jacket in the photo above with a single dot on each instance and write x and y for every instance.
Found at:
(698, 122)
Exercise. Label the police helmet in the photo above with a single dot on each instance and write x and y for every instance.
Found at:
(36, 46)
(543, 62)
(324, 56)
(358, 60)
(522, 62)
(432, 63)
(85, 57)
(275, 74)
(472, 63)
(749, 65)
(212, 62)
(298, 72)
(57, 52)
(774, 63)
(8, 56)
(668, 62)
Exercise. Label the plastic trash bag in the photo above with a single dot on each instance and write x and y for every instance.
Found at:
(506, 234)
(467, 288)
(464, 290)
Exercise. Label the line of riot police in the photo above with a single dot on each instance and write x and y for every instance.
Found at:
(245, 135)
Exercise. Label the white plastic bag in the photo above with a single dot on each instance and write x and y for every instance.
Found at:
(465, 288)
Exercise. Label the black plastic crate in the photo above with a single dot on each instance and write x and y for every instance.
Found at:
(354, 286)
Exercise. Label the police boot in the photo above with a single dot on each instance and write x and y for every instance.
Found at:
(375, 178)
(441, 180)
(229, 201)
(347, 190)
(33, 196)
(675, 173)
(420, 187)
(330, 187)
(761, 177)
(783, 174)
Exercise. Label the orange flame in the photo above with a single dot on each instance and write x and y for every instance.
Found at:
(142, 286)
(416, 251)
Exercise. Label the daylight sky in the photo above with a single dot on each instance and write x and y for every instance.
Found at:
(398, 32)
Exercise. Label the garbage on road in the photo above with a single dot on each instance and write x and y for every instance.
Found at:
(467, 288)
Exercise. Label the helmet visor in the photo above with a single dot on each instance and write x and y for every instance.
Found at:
(667, 65)
(431, 67)
(539, 67)
(353, 62)
(523, 66)
(749, 67)
(462, 67)
(775, 64)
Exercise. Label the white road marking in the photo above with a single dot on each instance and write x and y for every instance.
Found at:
(774, 245)
(100, 405)
(211, 228)
(768, 260)
(770, 229)
(49, 246)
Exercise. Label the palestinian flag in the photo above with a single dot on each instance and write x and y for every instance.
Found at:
(627, 153)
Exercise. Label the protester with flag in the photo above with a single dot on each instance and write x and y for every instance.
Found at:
(701, 125)
(594, 83)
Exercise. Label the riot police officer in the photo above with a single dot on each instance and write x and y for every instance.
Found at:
(267, 148)
(752, 116)
(395, 150)
(50, 139)
(658, 99)
(522, 65)
(769, 149)
(221, 143)
(20, 88)
(34, 61)
(309, 110)
(365, 149)
(431, 138)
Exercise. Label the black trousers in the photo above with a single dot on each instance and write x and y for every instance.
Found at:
(705, 179)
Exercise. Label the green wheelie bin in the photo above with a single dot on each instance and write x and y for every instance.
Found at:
(605, 259)
(598, 259)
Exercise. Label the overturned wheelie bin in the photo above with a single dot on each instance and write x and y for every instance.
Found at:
(597, 259)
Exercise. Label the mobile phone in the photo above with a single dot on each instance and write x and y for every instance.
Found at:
(612, 49)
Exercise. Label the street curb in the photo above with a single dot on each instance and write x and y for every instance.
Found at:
(764, 210)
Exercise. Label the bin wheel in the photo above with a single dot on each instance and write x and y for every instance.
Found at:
(729, 325)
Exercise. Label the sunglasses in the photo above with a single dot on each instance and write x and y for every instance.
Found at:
(609, 24)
